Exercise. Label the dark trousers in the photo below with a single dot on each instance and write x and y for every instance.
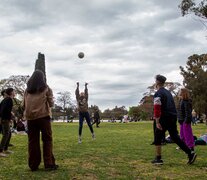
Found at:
(96, 121)
(6, 135)
(36, 126)
(169, 124)
(85, 115)
(154, 130)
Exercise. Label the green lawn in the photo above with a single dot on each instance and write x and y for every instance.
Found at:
(120, 151)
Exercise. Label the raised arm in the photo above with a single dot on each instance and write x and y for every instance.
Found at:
(77, 92)
(86, 91)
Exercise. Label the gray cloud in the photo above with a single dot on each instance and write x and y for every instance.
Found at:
(126, 43)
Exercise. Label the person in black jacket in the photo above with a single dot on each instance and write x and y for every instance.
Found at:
(185, 118)
(96, 118)
(3, 93)
(165, 116)
(6, 113)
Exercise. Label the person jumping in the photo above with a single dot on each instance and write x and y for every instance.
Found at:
(82, 102)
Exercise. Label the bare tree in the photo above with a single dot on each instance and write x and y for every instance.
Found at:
(64, 100)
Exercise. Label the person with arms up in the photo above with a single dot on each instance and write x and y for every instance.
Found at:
(82, 102)
(6, 114)
(165, 115)
(38, 100)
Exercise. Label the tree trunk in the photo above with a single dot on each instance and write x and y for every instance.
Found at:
(40, 63)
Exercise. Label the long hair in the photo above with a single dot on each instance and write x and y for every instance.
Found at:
(36, 82)
(184, 93)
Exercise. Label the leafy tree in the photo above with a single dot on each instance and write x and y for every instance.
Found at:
(92, 109)
(18, 83)
(197, 7)
(146, 103)
(173, 87)
(71, 112)
(146, 107)
(134, 113)
(195, 79)
(18, 108)
(107, 114)
(117, 112)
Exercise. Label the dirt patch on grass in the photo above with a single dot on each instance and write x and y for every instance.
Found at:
(88, 165)
(87, 176)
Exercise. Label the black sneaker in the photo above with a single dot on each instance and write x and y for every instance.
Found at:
(51, 167)
(34, 169)
(157, 161)
(192, 158)
(153, 143)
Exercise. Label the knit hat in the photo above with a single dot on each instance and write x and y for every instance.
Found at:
(160, 78)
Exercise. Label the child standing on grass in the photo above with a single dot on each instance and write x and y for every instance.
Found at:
(82, 101)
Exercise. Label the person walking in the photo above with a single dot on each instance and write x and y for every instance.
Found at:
(165, 115)
(38, 100)
(82, 102)
(6, 115)
(185, 118)
(96, 118)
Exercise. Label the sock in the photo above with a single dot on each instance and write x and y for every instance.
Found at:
(158, 157)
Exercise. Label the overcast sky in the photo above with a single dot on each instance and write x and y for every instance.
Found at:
(126, 43)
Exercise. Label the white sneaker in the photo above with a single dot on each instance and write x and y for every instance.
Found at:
(79, 140)
(8, 152)
(177, 148)
(93, 136)
(3, 155)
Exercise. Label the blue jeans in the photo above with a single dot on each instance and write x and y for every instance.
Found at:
(85, 115)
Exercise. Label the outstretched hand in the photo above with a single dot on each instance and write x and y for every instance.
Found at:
(78, 84)
(86, 84)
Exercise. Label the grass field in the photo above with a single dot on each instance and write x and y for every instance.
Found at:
(120, 151)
